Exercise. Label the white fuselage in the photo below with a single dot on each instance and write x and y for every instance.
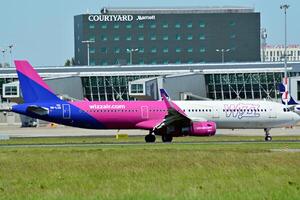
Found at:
(240, 114)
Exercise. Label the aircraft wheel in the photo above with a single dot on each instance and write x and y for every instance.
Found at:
(166, 138)
(268, 138)
(150, 138)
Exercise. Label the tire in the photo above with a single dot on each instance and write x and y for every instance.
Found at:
(268, 138)
(150, 138)
(166, 138)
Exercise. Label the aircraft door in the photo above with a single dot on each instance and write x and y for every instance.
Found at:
(272, 113)
(215, 113)
(66, 111)
(144, 112)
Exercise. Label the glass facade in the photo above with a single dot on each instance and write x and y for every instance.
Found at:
(243, 85)
(106, 88)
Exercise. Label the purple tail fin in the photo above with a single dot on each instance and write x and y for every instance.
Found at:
(34, 89)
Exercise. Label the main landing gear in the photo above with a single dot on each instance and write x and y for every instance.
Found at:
(150, 138)
(166, 138)
(268, 137)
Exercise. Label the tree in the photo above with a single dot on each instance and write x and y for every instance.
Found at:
(68, 62)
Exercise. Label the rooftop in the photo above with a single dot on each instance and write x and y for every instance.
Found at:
(177, 10)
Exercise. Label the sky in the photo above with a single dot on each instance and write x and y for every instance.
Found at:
(42, 30)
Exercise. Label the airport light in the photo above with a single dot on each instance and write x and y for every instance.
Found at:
(130, 51)
(87, 42)
(3, 56)
(222, 53)
(285, 7)
(10, 52)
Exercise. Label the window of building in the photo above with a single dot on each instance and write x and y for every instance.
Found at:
(92, 63)
(177, 25)
(153, 50)
(190, 25)
(165, 37)
(165, 50)
(92, 50)
(137, 88)
(153, 37)
(141, 38)
(103, 62)
(141, 50)
(189, 37)
(178, 37)
(165, 25)
(202, 37)
(11, 90)
(117, 50)
(153, 62)
(190, 50)
(141, 25)
(92, 26)
(232, 36)
(128, 26)
(116, 26)
(232, 23)
(104, 26)
(190, 62)
(178, 50)
(116, 38)
(141, 62)
(202, 24)
(202, 50)
(92, 38)
(166, 62)
(153, 25)
(178, 62)
(128, 38)
(103, 37)
(103, 50)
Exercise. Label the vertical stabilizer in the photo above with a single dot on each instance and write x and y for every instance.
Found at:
(33, 88)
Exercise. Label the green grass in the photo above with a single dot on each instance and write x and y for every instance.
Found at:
(111, 139)
(156, 171)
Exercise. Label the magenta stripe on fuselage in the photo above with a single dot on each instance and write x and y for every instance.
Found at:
(123, 114)
(26, 69)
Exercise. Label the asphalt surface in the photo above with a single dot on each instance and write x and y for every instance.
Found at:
(63, 131)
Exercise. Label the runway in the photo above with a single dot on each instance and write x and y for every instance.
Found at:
(63, 131)
(45, 145)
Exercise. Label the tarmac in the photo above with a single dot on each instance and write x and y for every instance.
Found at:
(63, 131)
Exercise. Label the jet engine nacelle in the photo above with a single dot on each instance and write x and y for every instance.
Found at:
(203, 129)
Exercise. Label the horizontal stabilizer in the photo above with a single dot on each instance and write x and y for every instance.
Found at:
(38, 110)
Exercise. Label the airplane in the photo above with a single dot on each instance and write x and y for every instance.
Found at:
(164, 117)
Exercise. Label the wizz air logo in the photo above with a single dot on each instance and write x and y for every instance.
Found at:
(106, 106)
(241, 110)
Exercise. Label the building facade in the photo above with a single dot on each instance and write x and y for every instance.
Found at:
(167, 36)
(220, 81)
(274, 53)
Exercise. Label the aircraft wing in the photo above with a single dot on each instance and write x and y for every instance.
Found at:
(38, 110)
(175, 115)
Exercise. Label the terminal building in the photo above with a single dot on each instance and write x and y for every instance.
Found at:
(167, 36)
(215, 81)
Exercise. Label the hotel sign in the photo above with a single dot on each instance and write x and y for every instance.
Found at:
(119, 18)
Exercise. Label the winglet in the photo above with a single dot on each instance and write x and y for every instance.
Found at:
(165, 97)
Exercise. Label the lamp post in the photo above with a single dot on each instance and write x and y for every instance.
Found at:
(130, 52)
(10, 52)
(222, 53)
(285, 7)
(87, 42)
(3, 56)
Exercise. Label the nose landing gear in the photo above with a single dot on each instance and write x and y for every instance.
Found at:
(268, 136)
